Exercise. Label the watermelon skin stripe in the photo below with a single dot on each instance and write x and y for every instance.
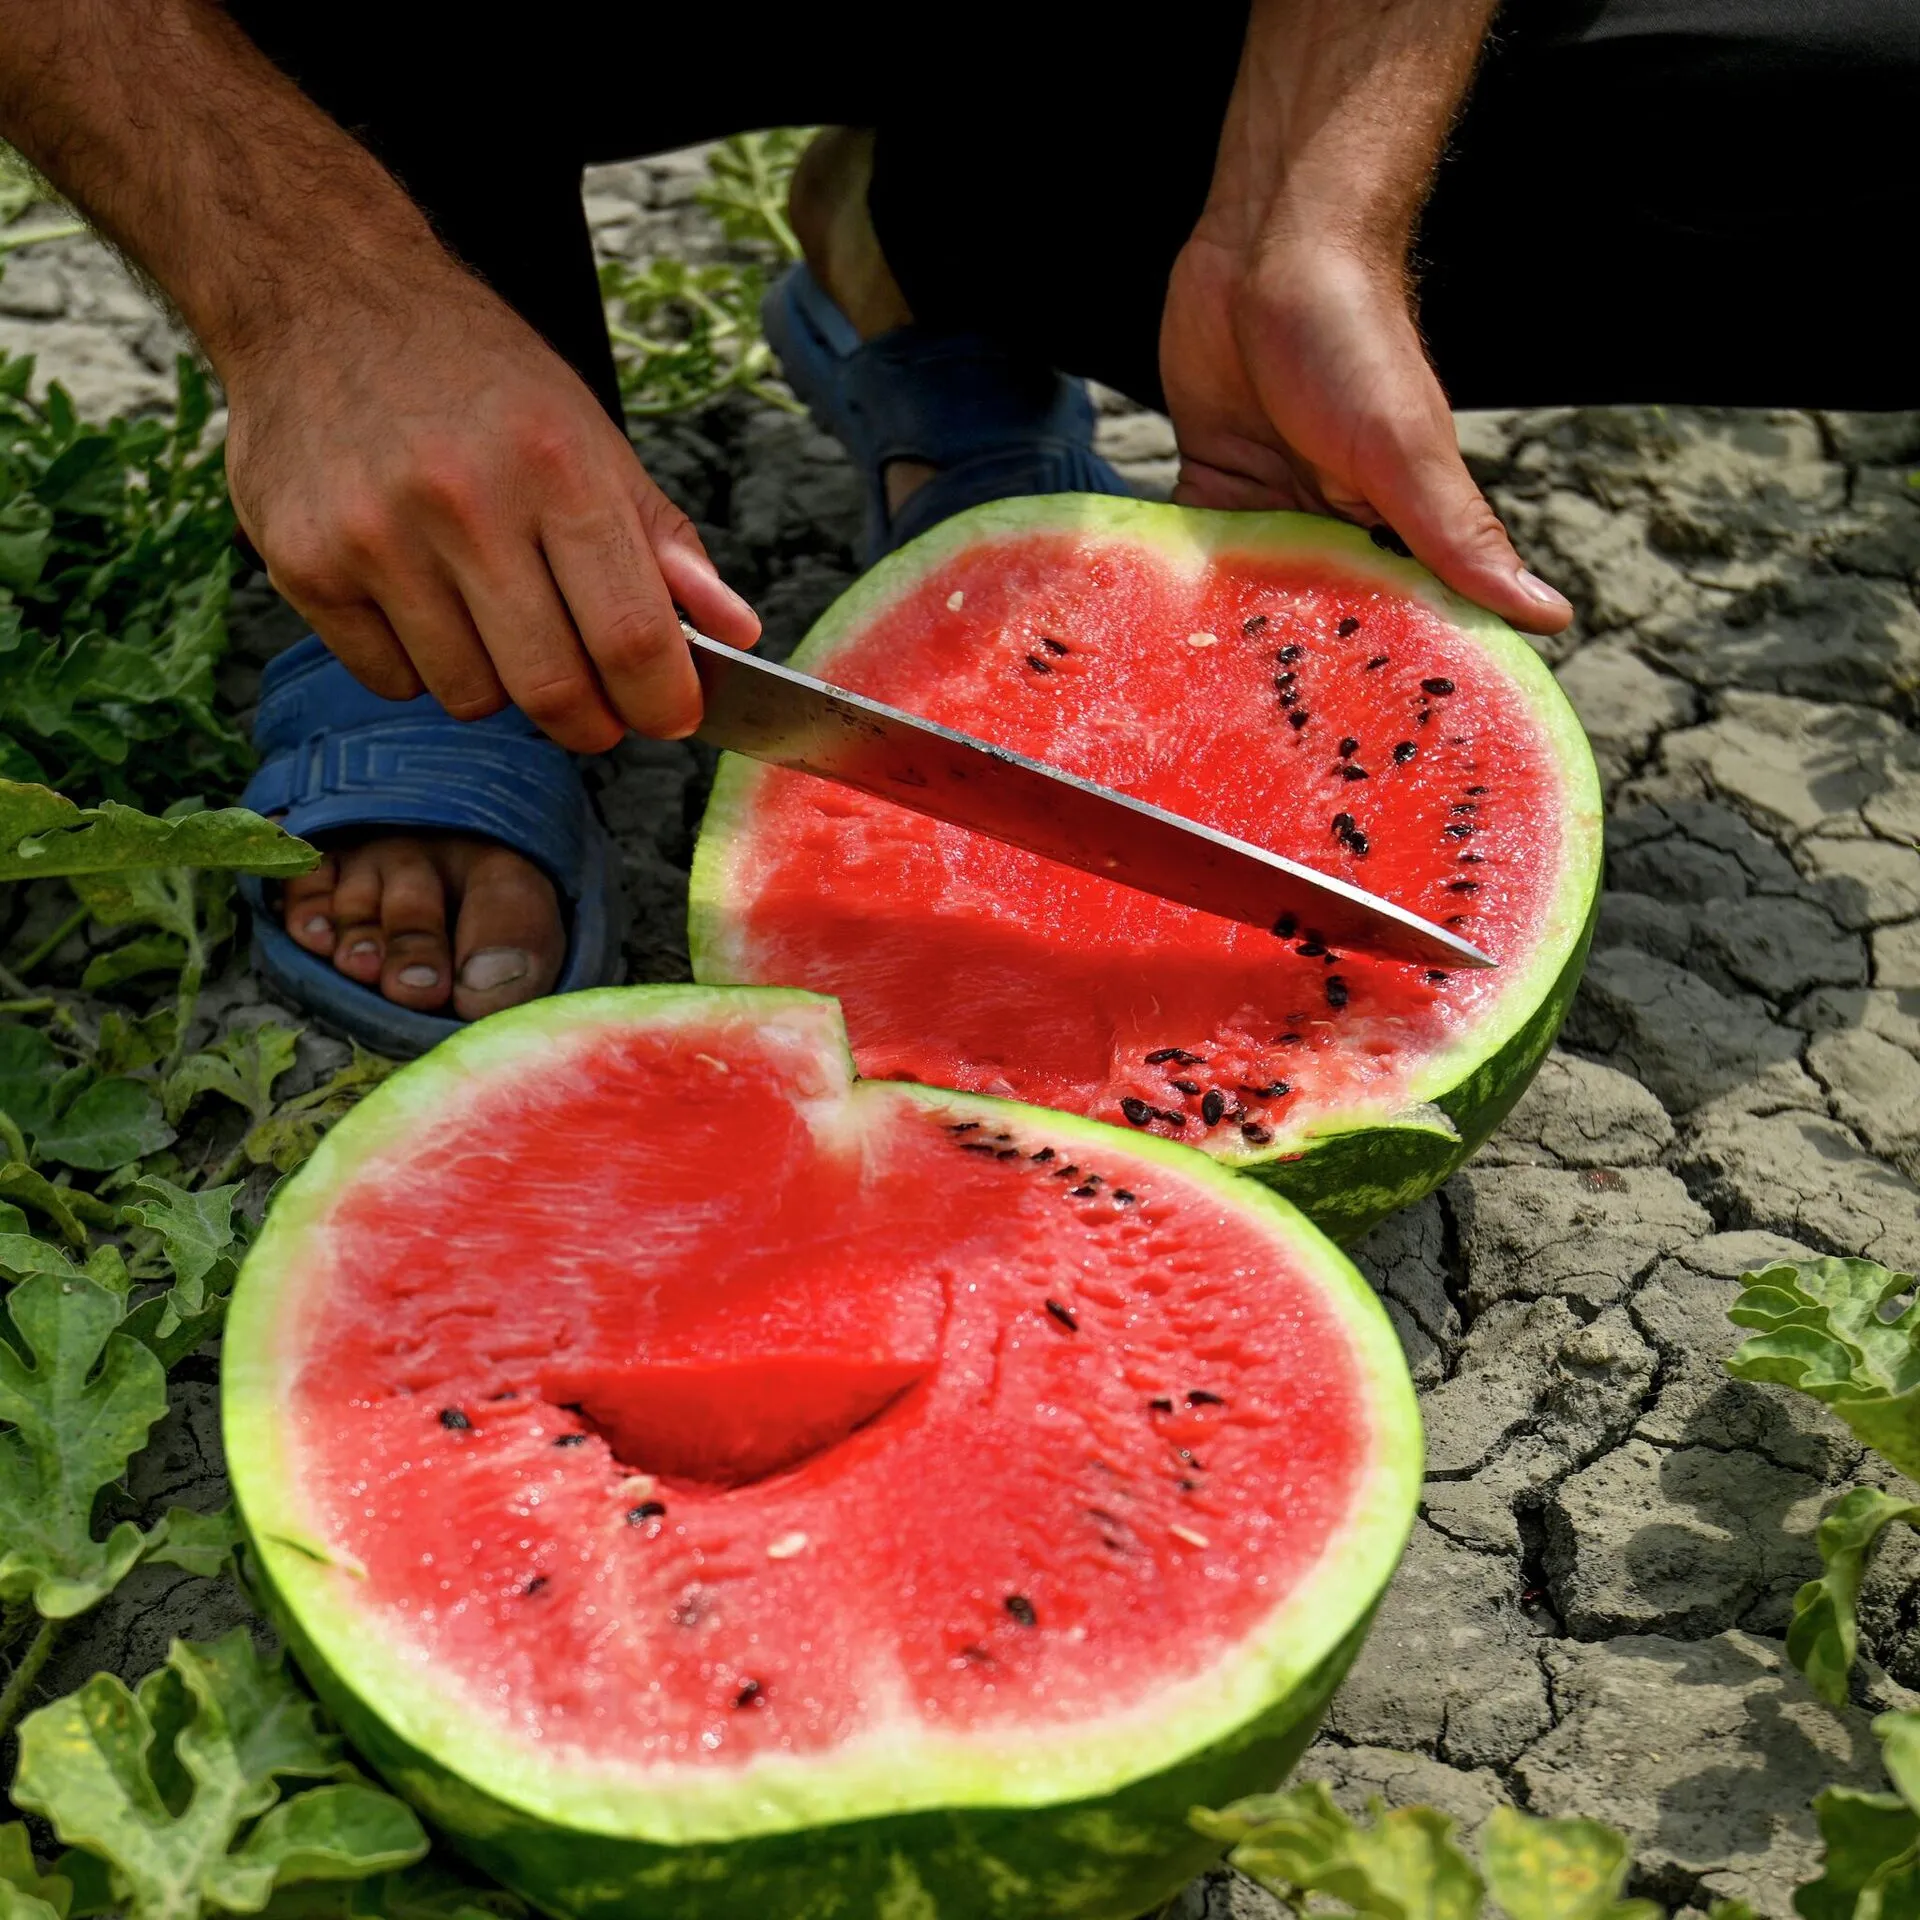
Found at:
(1090, 1824)
(1348, 1175)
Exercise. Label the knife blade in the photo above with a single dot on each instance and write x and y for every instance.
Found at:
(790, 719)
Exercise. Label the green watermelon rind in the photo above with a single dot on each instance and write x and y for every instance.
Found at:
(1349, 1172)
(525, 1813)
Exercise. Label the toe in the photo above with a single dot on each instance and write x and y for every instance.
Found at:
(509, 943)
(358, 947)
(306, 907)
(417, 971)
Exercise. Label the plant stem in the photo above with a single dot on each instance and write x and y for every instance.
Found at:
(44, 1004)
(12, 242)
(20, 1683)
(13, 1140)
(71, 924)
(12, 985)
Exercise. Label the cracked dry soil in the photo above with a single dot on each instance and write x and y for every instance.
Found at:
(1588, 1619)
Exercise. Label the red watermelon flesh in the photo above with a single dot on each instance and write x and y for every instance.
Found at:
(676, 1404)
(1296, 688)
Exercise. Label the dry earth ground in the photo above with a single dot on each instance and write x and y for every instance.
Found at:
(1589, 1617)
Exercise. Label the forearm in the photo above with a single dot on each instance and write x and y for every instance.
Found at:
(1338, 115)
(193, 154)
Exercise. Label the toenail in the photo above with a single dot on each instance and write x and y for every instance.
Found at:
(418, 975)
(318, 923)
(494, 967)
(362, 946)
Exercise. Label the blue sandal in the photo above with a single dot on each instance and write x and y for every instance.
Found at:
(994, 427)
(338, 758)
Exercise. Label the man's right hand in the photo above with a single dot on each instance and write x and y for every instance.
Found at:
(445, 500)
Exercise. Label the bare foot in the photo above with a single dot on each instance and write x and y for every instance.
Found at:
(380, 910)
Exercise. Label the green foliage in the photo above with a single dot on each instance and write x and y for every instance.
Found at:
(177, 1786)
(1870, 1868)
(685, 335)
(1826, 1333)
(1406, 1864)
(43, 835)
(1824, 1636)
(22, 188)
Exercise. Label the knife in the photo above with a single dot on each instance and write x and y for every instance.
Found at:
(789, 719)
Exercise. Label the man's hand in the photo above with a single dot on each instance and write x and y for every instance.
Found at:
(445, 500)
(1293, 368)
(427, 481)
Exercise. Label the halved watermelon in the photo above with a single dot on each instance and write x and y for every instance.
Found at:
(707, 1485)
(1275, 675)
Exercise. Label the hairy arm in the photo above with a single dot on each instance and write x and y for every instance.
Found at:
(1293, 365)
(427, 481)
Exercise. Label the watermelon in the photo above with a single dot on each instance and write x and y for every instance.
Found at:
(1276, 675)
(708, 1485)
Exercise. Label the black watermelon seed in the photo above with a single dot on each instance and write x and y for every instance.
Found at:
(1465, 806)
(1021, 1608)
(1288, 696)
(1329, 957)
(645, 1511)
(1473, 859)
(1460, 829)
(1136, 1110)
(964, 1126)
(1476, 789)
(1200, 1397)
(534, 1585)
(1122, 1197)
(1070, 1171)
(1341, 825)
(1288, 654)
(1188, 1486)
(751, 1695)
(1003, 1136)
(1188, 1087)
(1349, 746)
(1257, 1136)
(1437, 686)
(1298, 718)
(1347, 626)
(1253, 626)
(573, 1406)
(1287, 1039)
(1051, 644)
(1463, 886)
(1336, 991)
(571, 1440)
(1039, 665)
(979, 1146)
(1310, 949)
(1423, 716)
(1378, 660)
(1080, 1193)
(506, 1394)
(1044, 1154)
(454, 1420)
(1435, 978)
(1286, 927)
(1178, 1055)
(1008, 1153)
(1213, 1106)
(1159, 1405)
(1405, 752)
(1170, 1117)
(1283, 685)
(1390, 542)
(1351, 772)
(1357, 842)
(1064, 1315)
(1455, 920)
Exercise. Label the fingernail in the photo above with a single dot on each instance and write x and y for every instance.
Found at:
(317, 923)
(1538, 591)
(418, 975)
(494, 967)
(362, 946)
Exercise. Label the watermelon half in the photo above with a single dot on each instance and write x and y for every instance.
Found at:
(709, 1485)
(1275, 675)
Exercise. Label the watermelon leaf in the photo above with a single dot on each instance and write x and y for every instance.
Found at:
(1558, 1869)
(291, 1133)
(25, 1892)
(43, 834)
(79, 1397)
(1871, 1859)
(242, 1068)
(1824, 1634)
(111, 1123)
(160, 1782)
(1826, 1332)
(201, 1543)
(196, 1229)
(1402, 1865)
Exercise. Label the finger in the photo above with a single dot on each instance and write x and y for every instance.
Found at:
(306, 906)
(429, 615)
(607, 575)
(536, 651)
(695, 582)
(1426, 495)
(359, 636)
(413, 924)
(1203, 485)
(508, 940)
(358, 948)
